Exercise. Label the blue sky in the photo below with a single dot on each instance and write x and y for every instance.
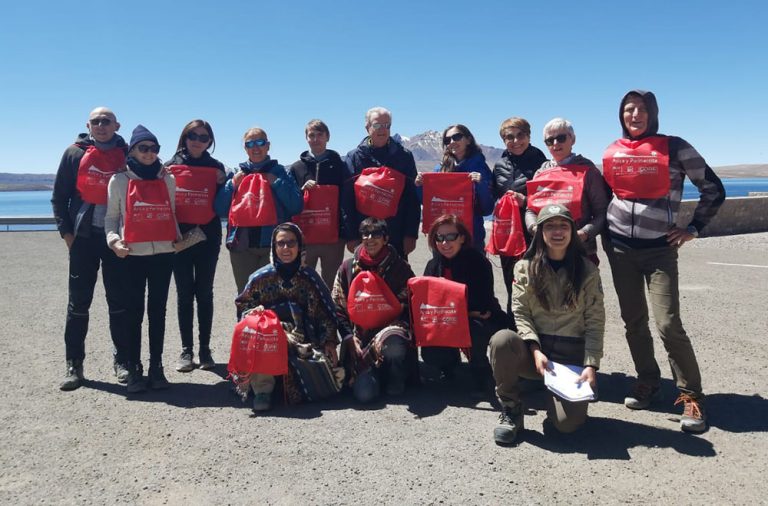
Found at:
(276, 64)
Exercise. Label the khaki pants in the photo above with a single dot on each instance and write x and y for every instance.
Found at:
(655, 268)
(510, 360)
(245, 263)
(330, 256)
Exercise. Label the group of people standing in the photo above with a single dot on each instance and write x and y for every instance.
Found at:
(118, 207)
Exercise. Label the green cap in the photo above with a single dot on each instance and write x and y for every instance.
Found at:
(553, 211)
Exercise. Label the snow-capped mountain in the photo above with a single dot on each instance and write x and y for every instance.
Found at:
(427, 149)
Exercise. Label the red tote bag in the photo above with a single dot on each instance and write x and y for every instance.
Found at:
(638, 169)
(94, 172)
(371, 304)
(319, 221)
(259, 346)
(447, 193)
(253, 204)
(563, 185)
(507, 237)
(378, 191)
(439, 314)
(148, 212)
(195, 191)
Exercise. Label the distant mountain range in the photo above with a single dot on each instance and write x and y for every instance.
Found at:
(26, 182)
(427, 149)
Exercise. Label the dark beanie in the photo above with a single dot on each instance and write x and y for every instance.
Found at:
(140, 133)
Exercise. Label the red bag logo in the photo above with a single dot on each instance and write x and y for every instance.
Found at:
(253, 204)
(439, 314)
(148, 212)
(259, 345)
(319, 220)
(507, 236)
(94, 172)
(447, 193)
(195, 190)
(563, 185)
(378, 191)
(638, 169)
(371, 304)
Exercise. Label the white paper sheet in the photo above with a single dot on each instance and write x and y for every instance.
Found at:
(561, 380)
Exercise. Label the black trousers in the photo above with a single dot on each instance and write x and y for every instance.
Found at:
(447, 358)
(151, 276)
(85, 257)
(194, 270)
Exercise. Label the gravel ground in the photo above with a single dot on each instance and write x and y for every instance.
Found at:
(197, 443)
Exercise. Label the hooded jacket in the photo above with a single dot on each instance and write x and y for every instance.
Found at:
(644, 223)
(511, 172)
(72, 214)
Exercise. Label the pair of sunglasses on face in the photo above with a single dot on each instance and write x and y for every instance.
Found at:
(372, 235)
(256, 142)
(447, 237)
(204, 138)
(143, 148)
(453, 138)
(287, 244)
(550, 141)
(515, 137)
(379, 126)
(100, 122)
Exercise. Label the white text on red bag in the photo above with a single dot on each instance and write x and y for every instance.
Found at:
(259, 345)
(378, 191)
(253, 204)
(562, 185)
(447, 193)
(148, 212)
(95, 170)
(371, 303)
(507, 236)
(319, 219)
(439, 314)
(638, 169)
(195, 191)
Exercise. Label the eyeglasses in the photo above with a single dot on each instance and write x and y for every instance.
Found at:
(372, 235)
(100, 122)
(453, 138)
(256, 142)
(287, 244)
(379, 126)
(204, 138)
(515, 137)
(447, 237)
(143, 148)
(550, 141)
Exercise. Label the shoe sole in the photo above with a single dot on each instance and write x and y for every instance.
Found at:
(186, 368)
(207, 366)
(503, 436)
(632, 403)
(70, 387)
(694, 429)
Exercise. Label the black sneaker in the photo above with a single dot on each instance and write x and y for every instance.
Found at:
(74, 376)
(121, 372)
(642, 395)
(135, 383)
(511, 421)
(185, 363)
(156, 378)
(206, 360)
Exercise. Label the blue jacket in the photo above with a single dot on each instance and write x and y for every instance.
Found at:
(288, 202)
(483, 197)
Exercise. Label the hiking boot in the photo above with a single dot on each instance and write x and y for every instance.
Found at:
(121, 372)
(262, 402)
(642, 395)
(510, 423)
(185, 363)
(694, 419)
(135, 383)
(74, 376)
(156, 379)
(206, 360)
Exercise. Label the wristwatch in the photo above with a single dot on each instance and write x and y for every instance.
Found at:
(692, 230)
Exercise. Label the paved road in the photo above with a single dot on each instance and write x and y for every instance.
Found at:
(196, 443)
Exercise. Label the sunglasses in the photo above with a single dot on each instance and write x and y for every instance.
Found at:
(550, 141)
(447, 237)
(515, 137)
(287, 244)
(204, 138)
(453, 138)
(143, 148)
(379, 126)
(372, 235)
(256, 142)
(100, 122)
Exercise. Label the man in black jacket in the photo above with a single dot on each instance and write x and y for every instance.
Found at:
(79, 206)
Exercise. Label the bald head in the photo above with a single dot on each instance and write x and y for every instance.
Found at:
(102, 124)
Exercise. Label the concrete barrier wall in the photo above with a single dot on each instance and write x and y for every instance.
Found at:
(737, 215)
